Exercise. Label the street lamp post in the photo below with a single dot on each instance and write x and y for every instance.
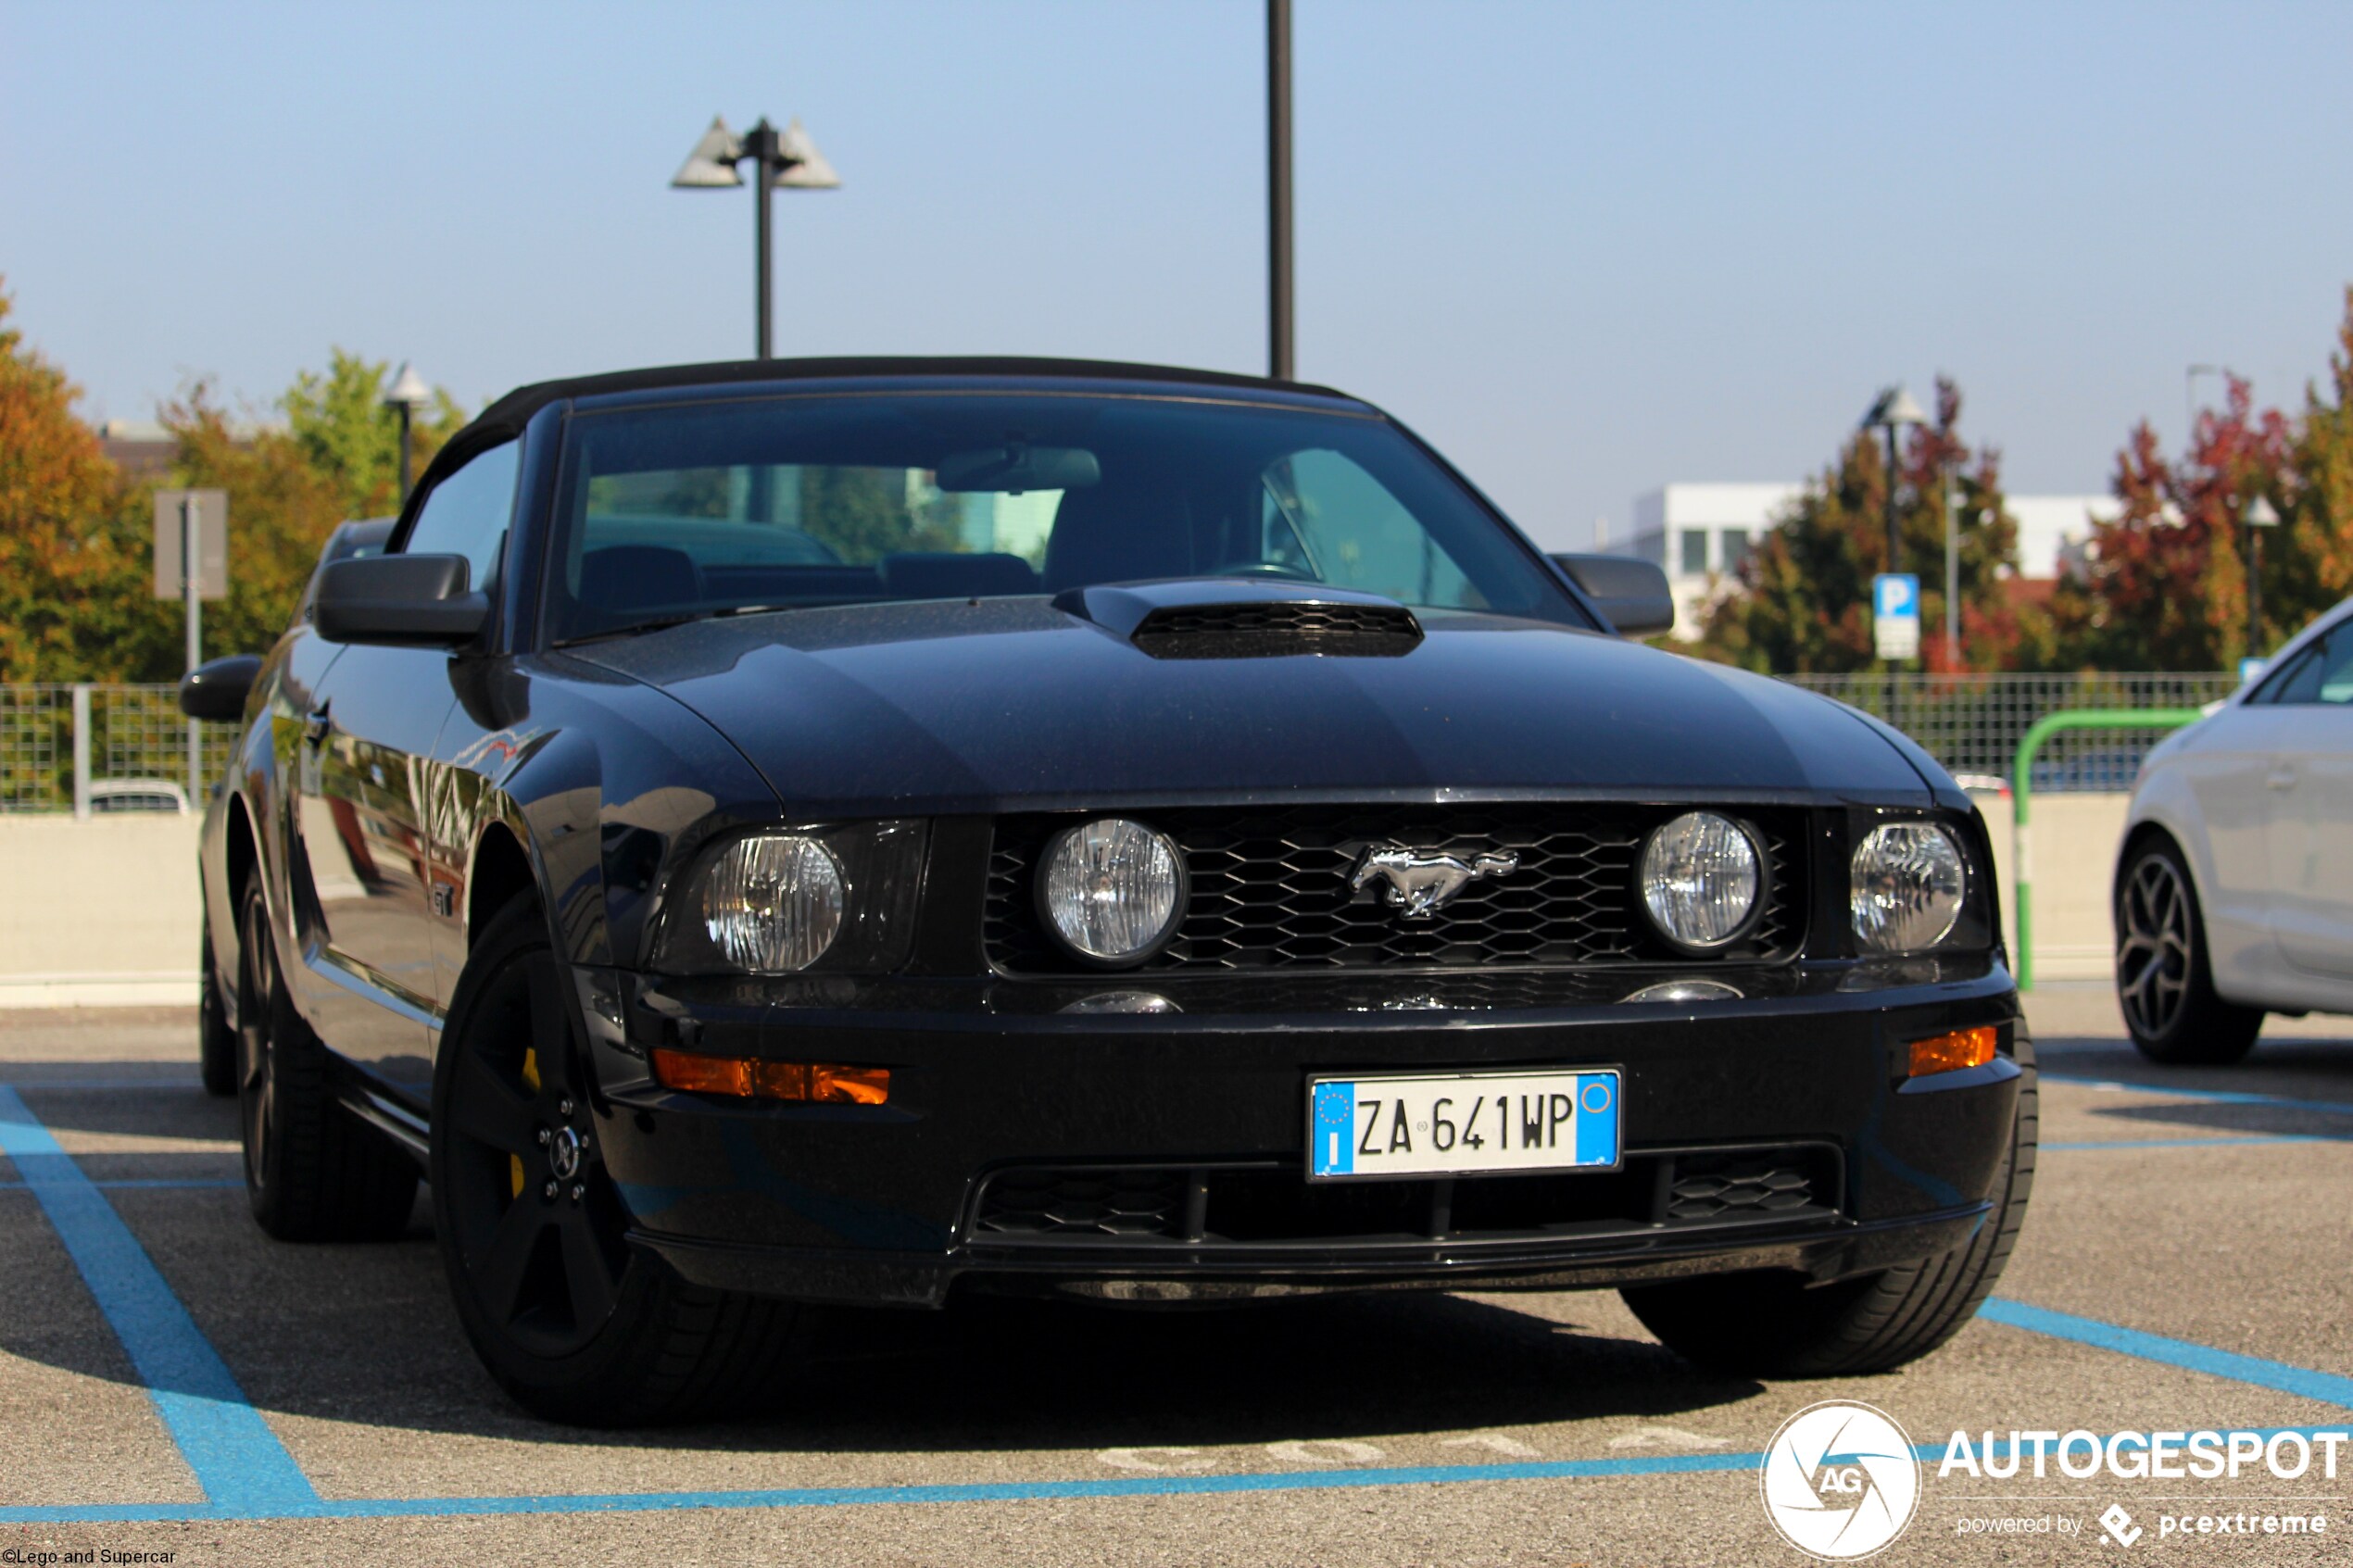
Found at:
(1952, 577)
(2259, 515)
(783, 159)
(1893, 409)
(1280, 361)
(408, 393)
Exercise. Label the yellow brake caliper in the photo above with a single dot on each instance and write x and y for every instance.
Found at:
(531, 1077)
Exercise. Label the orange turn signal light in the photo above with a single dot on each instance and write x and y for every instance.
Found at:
(825, 1083)
(1950, 1053)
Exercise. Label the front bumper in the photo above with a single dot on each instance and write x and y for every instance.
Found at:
(1203, 1111)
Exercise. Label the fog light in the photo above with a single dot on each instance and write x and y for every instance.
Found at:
(820, 1082)
(1950, 1053)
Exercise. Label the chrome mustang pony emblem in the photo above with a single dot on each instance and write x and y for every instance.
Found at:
(1421, 882)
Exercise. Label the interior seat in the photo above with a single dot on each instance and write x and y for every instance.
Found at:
(945, 574)
(1124, 533)
(639, 577)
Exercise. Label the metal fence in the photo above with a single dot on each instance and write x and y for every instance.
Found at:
(1973, 724)
(114, 732)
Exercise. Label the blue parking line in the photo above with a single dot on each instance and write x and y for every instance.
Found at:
(2212, 1096)
(154, 1184)
(2186, 1143)
(2325, 1386)
(237, 1459)
(246, 1473)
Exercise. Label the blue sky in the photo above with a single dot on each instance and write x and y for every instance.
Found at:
(1584, 248)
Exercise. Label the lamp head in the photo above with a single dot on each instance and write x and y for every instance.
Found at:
(711, 166)
(407, 390)
(808, 169)
(1894, 407)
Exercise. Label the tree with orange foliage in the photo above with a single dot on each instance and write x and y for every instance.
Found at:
(2164, 584)
(71, 565)
(1801, 603)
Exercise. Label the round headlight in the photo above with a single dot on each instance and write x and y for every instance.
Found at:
(1113, 890)
(1701, 877)
(1907, 881)
(773, 904)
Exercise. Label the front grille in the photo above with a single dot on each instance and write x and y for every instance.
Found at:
(1270, 1204)
(1260, 630)
(1270, 889)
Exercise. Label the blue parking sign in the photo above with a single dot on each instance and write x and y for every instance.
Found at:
(1895, 615)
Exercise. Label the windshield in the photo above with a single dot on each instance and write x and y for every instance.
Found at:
(675, 512)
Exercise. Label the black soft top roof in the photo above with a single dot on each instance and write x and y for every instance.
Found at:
(511, 413)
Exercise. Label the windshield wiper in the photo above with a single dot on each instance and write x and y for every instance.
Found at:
(663, 622)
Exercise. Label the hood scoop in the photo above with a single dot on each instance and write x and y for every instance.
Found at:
(1216, 618)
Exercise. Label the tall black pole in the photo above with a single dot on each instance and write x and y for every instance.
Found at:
(2254, 593)
(1891, 564)
(1280, 360)
(761, 146)
(405, 415)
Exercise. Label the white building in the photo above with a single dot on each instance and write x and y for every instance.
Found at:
(1699, 535)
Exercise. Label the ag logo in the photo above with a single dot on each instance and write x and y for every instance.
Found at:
(1839, 1480)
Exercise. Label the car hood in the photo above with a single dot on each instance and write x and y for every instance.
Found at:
(986, 705)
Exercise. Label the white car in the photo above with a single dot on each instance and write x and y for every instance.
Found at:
(107, 796)
(2233, 893)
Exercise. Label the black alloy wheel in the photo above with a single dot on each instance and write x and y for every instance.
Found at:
(2164, 978)
(573, 1323)
(216, 1040)
(535, 1219)
(313, 1173)
(259, 998)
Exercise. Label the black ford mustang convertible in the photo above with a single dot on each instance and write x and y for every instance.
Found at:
(865, 831)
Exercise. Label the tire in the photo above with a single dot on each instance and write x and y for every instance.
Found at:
(313, 1173)
(216, 1041)
(571, 1321)
(1774, 1325)
(2164, 984)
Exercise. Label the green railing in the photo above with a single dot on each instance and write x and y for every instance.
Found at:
(2021, 794)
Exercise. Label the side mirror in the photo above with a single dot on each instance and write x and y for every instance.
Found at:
(1631, 591)
(409, 601)
(217, 689)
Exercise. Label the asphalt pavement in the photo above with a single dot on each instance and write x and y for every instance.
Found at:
(174, 1382)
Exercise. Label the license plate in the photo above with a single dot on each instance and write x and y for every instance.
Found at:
(1462, 1123)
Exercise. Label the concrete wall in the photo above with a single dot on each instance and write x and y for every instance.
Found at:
(105, 911)
(98, 912)
(2075, 842)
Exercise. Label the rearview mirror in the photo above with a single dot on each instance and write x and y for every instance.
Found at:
(409, 601)
(217, 689)
(1632, 592)
(1016, 466)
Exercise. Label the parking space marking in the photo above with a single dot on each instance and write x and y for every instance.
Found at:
(2213, 1096)
(2187, 1143)
(237, 1459)
(148, 1183)
(247, 1473)
(2326, 1388)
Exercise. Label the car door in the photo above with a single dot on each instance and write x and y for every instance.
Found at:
(362, 784)
(2311, 779)
(2226, 767)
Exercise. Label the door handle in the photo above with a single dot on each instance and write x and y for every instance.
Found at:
(314, 727)
(2280, 777)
